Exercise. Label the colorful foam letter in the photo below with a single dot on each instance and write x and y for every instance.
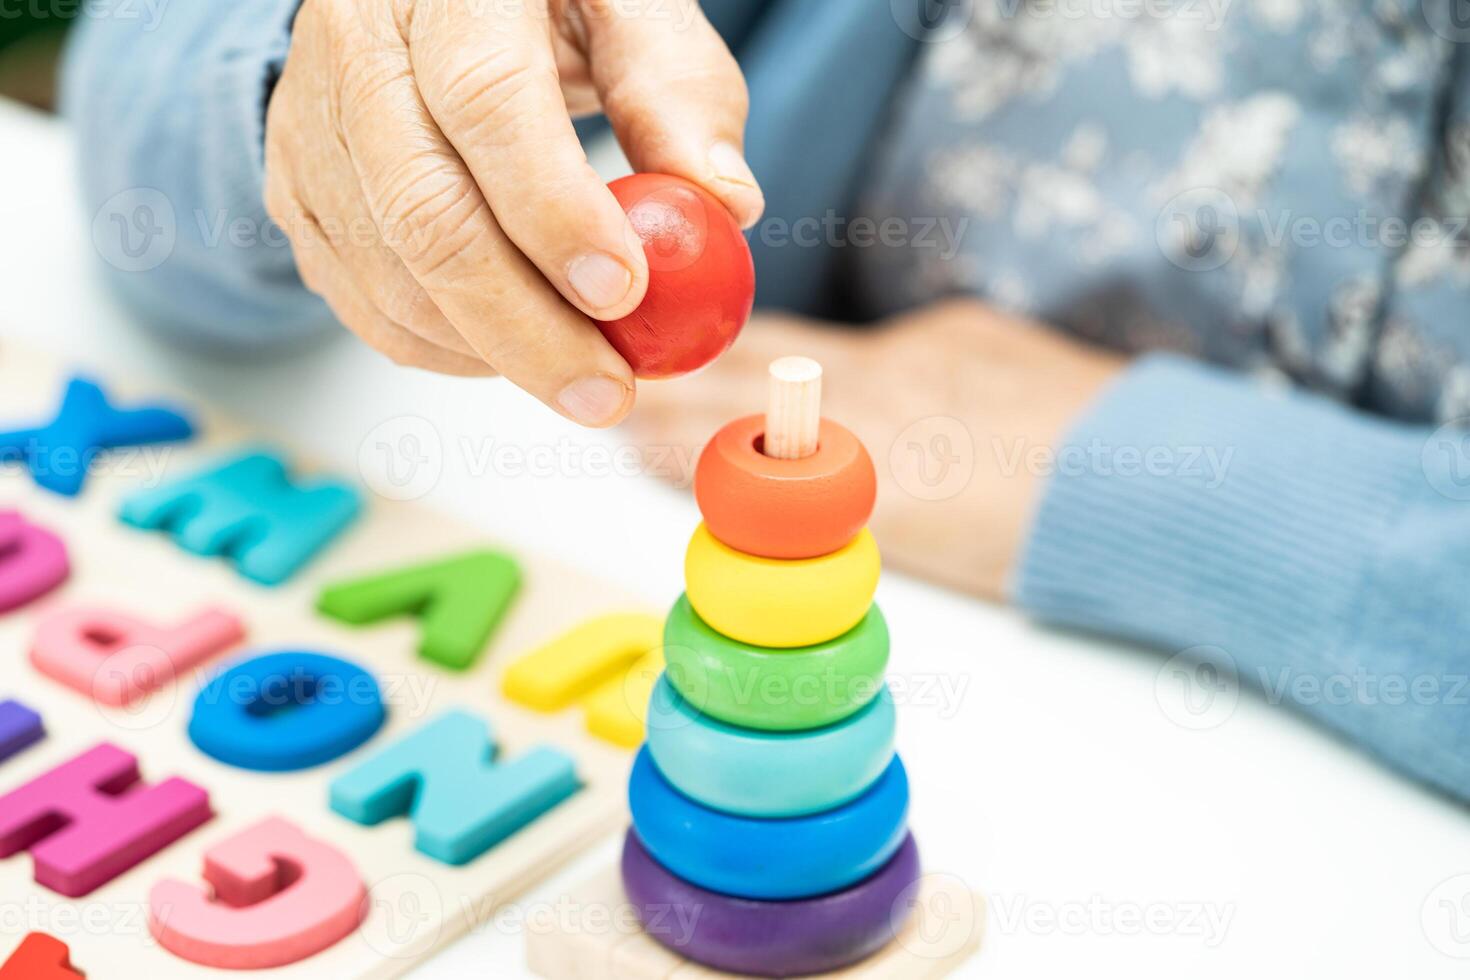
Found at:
(32, 561)
(39, 957)
(278, 897)
(87, 821)
(286, 711)
(444, 776)
(58, 454)
(19, 727)
(608, 663)
(616, 711)
(249, 509)
(458, 600)
(116, 658)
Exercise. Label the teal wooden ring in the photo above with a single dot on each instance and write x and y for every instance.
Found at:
(768, 774)
(777, 690)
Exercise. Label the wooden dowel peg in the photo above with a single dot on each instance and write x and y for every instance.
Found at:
(794, 408)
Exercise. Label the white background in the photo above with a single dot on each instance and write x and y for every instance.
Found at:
(1115, 829)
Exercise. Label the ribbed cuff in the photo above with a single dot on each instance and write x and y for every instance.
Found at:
(1195, 508)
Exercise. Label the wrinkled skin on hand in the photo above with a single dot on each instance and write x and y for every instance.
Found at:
(420, 157)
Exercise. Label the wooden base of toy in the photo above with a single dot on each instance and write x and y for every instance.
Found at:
(415, 903)
(599, 939)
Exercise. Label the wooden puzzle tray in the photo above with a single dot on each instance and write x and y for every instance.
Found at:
(415, 904)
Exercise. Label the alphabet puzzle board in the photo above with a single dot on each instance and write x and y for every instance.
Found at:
(415, 903)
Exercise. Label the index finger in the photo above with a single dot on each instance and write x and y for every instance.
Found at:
(490, 81)
(674, 95)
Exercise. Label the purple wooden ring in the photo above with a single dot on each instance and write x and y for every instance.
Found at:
(769, 939)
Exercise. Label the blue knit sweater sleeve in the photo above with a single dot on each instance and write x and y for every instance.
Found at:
(1316, 554)
(169, 113)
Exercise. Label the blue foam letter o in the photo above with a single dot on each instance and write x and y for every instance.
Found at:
(284, 711)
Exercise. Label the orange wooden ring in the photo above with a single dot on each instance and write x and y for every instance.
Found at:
(784, 508)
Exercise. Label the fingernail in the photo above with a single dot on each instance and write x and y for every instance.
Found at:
(729, 166)
(601, 280)
(593, 401)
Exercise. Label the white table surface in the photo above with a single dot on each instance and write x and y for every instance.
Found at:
(1056, 778)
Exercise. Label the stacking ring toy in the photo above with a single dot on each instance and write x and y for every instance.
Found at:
(790, 857)
(764, 774)
(784, 508)
(774, 603)
(774, 690)
(770, 939)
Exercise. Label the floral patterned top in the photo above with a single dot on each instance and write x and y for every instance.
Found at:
(1280, 186)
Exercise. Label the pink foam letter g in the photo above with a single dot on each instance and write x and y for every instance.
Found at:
(279, 896)
(116, 658)
(87, 821)
(32, 561)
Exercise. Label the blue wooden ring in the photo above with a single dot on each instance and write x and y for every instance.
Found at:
(771, 939)
(790, 857)
(284, 711)
(753, 773)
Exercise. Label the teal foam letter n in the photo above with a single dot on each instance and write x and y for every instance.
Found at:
(444, 776)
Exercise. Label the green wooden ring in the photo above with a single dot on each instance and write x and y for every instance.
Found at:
(777, 690)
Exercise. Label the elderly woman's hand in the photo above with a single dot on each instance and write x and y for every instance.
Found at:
(421, 158)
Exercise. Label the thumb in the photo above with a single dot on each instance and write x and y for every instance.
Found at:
(674, 95)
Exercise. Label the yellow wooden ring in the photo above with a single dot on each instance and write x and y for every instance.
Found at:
(773, 603)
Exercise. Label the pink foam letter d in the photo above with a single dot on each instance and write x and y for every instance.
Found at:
(279, 896)
(116, 658)
(32, 561)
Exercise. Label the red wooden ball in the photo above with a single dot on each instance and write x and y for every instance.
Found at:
(701, 282)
